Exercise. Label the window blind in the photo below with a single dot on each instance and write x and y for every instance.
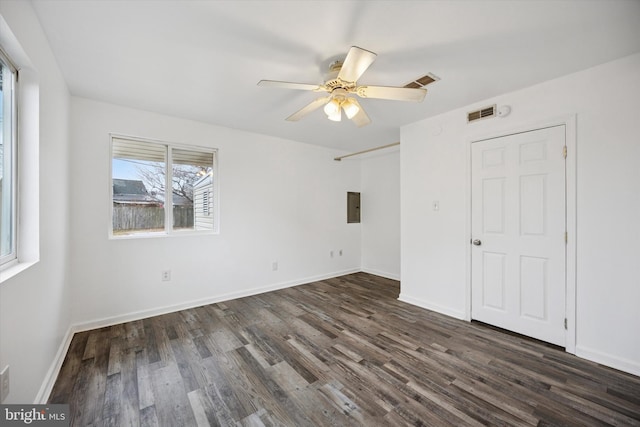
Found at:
(139, 150)
(148, 151)
(192, 157)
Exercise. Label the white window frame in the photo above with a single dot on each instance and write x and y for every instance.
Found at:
(168, 206)
(27, 169)
(11, 258)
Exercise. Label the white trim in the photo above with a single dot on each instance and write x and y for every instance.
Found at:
(572, 232)
(608, 360)
(467, 229)
(570, 123)
(143, 314)
(432, 307)
(380, 273)
(52, 374)
(12, 95)
(168, 192)
(14, 268)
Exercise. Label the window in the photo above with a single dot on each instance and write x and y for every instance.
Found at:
(142, 171)
(19, 159)
(8, 156)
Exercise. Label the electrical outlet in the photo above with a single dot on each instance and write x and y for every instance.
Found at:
(331, 254)
(274, 266)
(340, 252)
(166, 275)
(4, 383)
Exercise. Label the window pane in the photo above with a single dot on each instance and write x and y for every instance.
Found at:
(139, 177)
(191, 180)
(7, 165)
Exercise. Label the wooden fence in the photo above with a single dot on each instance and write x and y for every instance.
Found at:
(183, 217)
(130, 217)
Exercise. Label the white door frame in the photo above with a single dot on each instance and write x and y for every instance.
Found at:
(570, 140)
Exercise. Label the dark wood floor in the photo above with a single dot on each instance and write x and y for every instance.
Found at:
(337, 352)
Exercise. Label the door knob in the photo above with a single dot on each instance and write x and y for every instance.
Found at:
(476, 242)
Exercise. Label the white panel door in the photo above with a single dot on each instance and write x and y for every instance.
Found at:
(518, 233)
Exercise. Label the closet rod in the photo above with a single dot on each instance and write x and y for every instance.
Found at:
(337, 159)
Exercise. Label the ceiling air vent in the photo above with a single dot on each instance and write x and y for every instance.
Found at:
(422, 81)
(483, 113)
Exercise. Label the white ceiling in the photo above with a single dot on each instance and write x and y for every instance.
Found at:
(202, 59)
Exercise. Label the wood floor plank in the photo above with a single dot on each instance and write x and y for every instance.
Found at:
(226, 384)
(129, 414)
(111, 406)
(68, 377)
(265, 392)
(148, 417)
(172, 405)
(337, 352)
(143, 378)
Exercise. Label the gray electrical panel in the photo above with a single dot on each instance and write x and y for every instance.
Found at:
(353, 207)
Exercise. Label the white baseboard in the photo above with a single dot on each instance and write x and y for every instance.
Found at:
(431, 306)
(54, 370)
(143, 314)
(615, 362)
(381, 273)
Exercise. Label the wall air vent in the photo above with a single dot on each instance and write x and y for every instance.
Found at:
(483, 113)
(422, 81)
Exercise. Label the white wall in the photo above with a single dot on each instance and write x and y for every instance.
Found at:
(35, 304)
(280, 201)
(380, 219)
(435, 166)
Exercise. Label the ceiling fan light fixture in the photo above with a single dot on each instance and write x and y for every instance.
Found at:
(335, 117)
(350, 108)
(332, 107)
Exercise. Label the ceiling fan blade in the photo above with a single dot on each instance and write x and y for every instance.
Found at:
(290, 85)
(361, 118)
(393, 93)
(313, 105)
(355, 64)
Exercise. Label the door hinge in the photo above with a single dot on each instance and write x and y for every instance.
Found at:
(565, 323)
(564, 151)
(566, 237)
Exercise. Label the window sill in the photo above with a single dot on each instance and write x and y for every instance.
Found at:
(13, 269)
(164, 235)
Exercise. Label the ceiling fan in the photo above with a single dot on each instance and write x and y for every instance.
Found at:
(341, 83)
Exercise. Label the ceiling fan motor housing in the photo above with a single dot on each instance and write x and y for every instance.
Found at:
(332, 82)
